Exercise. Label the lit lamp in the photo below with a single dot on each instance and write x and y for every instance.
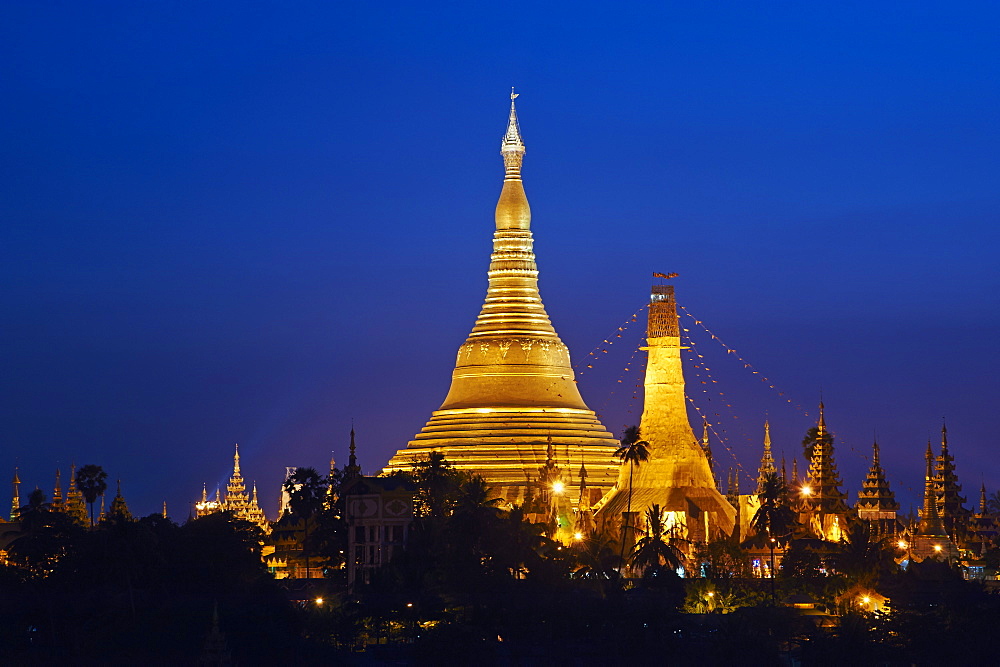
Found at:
(578, 536)
(558, 487)
(807, 490)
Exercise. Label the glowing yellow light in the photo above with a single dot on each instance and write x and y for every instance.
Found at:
(558, 487)
(319, 600)
(711, 594)
(409, 604)
(577, 536)
(937, 547)
(866, 599)
(807, 490)
(901, 544)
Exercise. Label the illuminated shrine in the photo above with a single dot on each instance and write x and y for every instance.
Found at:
(677, 476)
(513, 387)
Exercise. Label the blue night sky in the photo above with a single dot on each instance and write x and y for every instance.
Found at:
(255, 223)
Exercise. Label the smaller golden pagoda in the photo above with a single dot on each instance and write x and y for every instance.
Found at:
(677, 476)
(237, 501)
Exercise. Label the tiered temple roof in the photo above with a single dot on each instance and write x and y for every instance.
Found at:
(119, 508)
(822, 503)
(876, 501)
(237, 500)
(950, 505)
(75, 505)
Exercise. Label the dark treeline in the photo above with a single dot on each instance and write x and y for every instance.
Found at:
(476, 582)
(141, 591)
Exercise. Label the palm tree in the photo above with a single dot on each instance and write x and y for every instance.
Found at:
(90, 481)
(306, 496)
(774, 519)
(993, 503)
(474, 518)
(596, 557)
(634, 452)
(862, 555)
(654, 552)
(519, 541)
(437, 483)
(35, 514)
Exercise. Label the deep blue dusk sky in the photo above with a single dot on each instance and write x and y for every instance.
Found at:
(253, 223)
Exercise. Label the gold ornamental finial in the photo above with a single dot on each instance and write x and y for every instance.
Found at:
(512, 147)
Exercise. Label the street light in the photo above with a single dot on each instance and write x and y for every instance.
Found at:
(771, 545)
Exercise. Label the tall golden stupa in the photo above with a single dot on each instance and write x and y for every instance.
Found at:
(677, 476)
(513, 391)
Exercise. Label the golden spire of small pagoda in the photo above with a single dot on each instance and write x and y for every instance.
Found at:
(706, 446)
(930, 521)
(15, 503)
(119, 508)
(766, 460)
(57, 497)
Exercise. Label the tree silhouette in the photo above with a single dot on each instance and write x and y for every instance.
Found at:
(306, 496)
(654, 553)
(634, 453)
(90, 481)
(437, 486)
(993, 503)
(774, 519)
(809, 441)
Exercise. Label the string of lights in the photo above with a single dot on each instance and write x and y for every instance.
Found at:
(602, 347)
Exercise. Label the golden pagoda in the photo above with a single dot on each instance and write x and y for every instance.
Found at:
(677, 475)
(513, 387)
(237, 501)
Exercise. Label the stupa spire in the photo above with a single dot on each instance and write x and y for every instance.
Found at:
(930, 521)
(513, 381)
(15, 503)
(511, 146)
(766, 460)
(352, 460)
(706, 446)
(236, 460)
(57, 497)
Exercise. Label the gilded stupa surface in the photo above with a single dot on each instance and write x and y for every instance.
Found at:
(513, 386)
(677, 475)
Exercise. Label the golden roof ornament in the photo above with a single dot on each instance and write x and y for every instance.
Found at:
(512, 147)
